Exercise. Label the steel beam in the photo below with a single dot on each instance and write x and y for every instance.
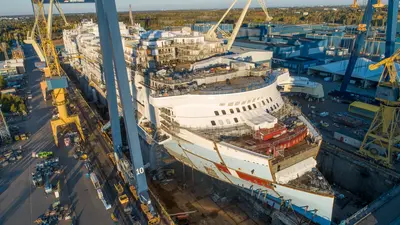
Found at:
(355, 52)
(114, 35)
(109, 80)
(391, 26)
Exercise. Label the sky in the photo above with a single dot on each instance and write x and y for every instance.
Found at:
(23, 7)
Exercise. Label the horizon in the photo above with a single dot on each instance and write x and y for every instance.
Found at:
(143, 6)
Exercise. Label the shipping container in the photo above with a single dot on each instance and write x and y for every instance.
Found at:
(347, 139)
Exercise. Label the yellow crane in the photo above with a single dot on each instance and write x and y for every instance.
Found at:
(263, 5)
(383, 137)
(54, 77)
(378, 4)
(354, 5)
(211, 33)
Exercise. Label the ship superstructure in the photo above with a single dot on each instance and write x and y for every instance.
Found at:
(221, 114)
(226, 118)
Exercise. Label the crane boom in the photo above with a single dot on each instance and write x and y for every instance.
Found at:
(390, 68)
(113, 57)
(268, 18)
(211, 32)
(211, 35)
(55, 79)
(58, 6)
(130, 15)
(238, 25)
(383, 137)
(355, 52)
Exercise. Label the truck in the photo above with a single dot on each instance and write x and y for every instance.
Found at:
(124, 201)
(151, 219)
(44, 155)
(95, 181)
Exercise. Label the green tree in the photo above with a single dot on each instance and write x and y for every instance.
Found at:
(22, 108)
(3, 82)
(13, 108)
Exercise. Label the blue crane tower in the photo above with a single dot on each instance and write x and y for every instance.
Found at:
(362, 33)
(113, 61)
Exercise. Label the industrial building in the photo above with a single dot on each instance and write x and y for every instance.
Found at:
(297, 64)
(12, 67)
(204, 27)
(361, 75)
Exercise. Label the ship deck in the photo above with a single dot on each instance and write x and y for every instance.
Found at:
(241, 137)
(233, 85)
(312, 181)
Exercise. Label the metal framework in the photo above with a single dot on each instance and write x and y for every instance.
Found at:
(211, 33)
(383, 136)
(113, 60)
(5, 135)
(363, 29)
(355, 52)
(54, 79)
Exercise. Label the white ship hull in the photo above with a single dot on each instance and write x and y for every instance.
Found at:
(248, 171)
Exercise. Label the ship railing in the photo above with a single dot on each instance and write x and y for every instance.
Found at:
(216, 133)
(191, 77)
(216, 92)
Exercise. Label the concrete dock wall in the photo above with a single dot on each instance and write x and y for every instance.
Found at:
(355, 174)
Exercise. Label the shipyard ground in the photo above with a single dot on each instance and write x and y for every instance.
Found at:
(208, 201)
(20, 202)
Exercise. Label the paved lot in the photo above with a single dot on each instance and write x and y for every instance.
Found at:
(20, 202)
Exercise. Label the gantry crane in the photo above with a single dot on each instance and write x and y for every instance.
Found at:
(113, 60)
(362, 33)
(32, 35)
(383, 136)
(211, 33)
(54, 77)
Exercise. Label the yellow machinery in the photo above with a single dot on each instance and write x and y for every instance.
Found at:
(378, 5)
(134, 192)
(383, 137)
(123, 199)
(354, 5)
(55, 79)
(363, 27)
(151, 220)
(119, 188)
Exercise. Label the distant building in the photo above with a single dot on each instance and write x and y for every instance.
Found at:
(361, 75)
(286, 47)
(204, 27)
(297, 64)
(12, 67)
(10, 91)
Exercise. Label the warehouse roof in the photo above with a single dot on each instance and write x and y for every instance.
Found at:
(361, 70)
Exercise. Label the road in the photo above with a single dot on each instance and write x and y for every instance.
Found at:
(20, 202)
